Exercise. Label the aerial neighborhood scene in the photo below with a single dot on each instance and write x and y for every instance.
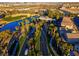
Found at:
(39, 29)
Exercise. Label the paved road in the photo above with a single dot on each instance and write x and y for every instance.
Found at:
(25, 44)
(53, 50)
(43, 43)
(13, 43)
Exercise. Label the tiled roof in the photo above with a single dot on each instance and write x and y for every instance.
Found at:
(72, 35)
(66, 21)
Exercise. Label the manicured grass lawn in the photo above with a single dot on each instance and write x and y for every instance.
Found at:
(37, 45)
(21, 42)
(10, 18)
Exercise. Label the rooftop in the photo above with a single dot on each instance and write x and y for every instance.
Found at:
(72, 35)
(66, 21)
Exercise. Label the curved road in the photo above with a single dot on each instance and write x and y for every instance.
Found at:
(43, 43)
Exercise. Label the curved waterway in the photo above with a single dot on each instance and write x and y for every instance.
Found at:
(11, 26)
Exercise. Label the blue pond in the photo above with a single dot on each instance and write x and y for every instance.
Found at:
(11, 26)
